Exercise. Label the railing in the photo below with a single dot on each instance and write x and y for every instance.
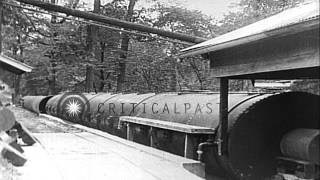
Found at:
(190, 131)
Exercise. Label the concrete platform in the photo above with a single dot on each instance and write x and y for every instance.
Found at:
(87, 153)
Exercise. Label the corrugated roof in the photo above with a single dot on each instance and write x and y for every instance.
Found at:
(13, 65)
(257, 30)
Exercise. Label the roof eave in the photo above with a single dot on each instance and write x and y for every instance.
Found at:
(17, 66)
(282, 31)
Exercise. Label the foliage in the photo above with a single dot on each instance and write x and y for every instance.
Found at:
(182, 20)
(61, 49)
(252, 11)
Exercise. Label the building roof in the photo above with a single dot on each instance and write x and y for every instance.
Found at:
(286, 22)
(13, 65)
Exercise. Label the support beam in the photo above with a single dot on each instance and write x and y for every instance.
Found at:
(223, 116)
(112, 21)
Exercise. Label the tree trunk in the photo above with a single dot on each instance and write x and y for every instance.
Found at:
(97, 50)
(102, 74)
(98, 46)
(197, 72)
(17, 77)
(89, 78)
(124, 49)
(53, 63)
(1, 17)
(52, 76)
(92, 32)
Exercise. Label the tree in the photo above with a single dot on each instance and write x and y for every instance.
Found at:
(177, 19)
(18, 30)
(120, 61)
(124, 48)
(191, 73)
(252, 11)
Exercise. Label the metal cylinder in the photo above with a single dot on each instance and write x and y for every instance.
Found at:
(105, 110)
(302, 144)
(52, 105)
(256, 128)
(199, 109)
(35, 103)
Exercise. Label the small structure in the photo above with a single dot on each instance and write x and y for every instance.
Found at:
(15, 67)
(283, 46)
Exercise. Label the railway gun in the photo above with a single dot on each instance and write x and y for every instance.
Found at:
(266, 132)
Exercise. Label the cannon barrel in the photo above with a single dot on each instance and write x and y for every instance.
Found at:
(35, 103)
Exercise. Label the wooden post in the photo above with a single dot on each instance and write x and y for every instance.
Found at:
(152, 138)
(188, 146)
(129, 132)
(223, 116)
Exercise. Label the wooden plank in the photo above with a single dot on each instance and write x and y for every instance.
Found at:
(25, 134)
(9, 149)
(11, 139)
(278, 54)
(185, 128)
(14, 156)
(243, 40)
(262, 66)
